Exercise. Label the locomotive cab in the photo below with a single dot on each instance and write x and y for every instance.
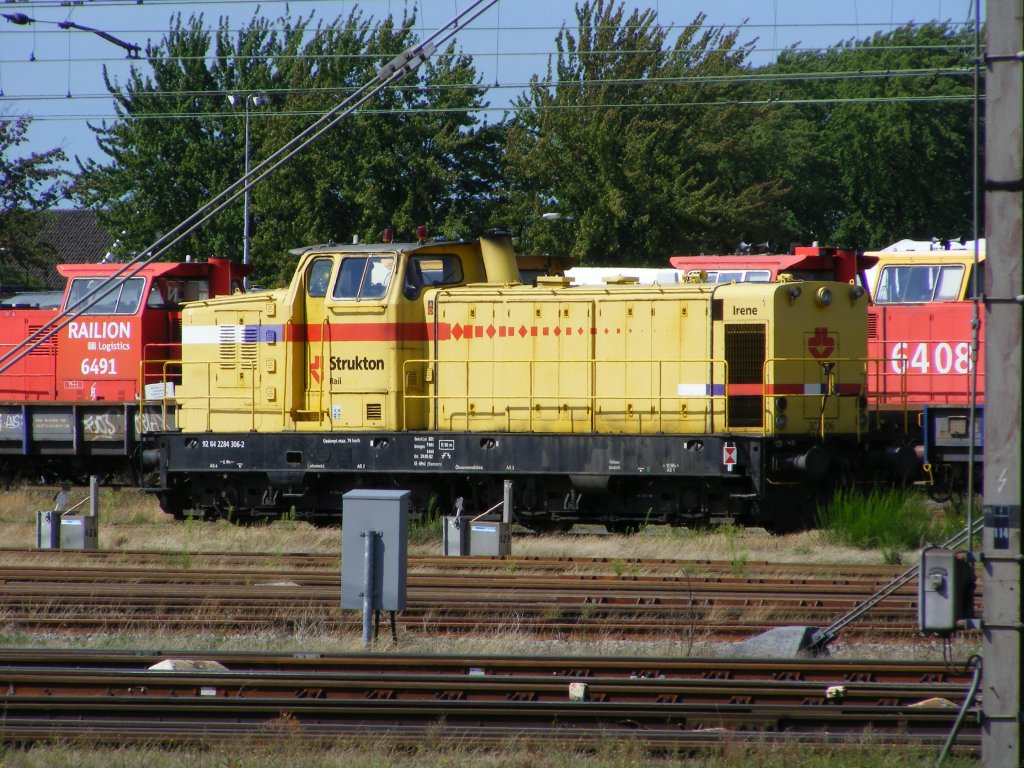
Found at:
(331, 351)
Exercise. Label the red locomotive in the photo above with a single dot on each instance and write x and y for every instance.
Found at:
(70, 407)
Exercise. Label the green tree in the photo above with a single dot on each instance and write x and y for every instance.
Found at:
(413, 156)
(642, 143)
(29, 185)
(892, 119)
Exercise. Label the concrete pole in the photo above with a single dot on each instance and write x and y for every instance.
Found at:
(1001, 540)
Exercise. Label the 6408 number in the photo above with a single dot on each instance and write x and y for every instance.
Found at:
(926, 357)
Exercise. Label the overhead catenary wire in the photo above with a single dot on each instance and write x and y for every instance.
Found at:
(753, 103)
(545, 53)
(647, 83)
(402, 65)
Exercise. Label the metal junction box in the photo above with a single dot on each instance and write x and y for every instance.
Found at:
(48, 530)
(490, 539)
(456, 536)
(79, 532)
(945, 593)
(387, 514)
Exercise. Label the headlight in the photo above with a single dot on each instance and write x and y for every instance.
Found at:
(781, 421)
(823, 297)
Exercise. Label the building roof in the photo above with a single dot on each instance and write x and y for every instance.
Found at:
(76, 238)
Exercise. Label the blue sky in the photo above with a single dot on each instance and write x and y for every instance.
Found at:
(56, 75)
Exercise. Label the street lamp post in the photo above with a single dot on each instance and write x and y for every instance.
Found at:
(256, 100)
(21, 19)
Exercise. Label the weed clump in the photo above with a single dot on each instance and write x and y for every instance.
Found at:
(892, 520)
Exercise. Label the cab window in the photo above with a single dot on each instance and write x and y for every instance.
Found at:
(430, 270)
(318, 277)
(735, 275)
(171, 293)
(919, 283)
(123, 299)
(363, 277)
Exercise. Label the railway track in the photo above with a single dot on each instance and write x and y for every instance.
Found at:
(663, 703)
(543, 596)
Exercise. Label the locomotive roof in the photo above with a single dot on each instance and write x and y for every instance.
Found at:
(156, 269)
(810, 258)
(372, 247)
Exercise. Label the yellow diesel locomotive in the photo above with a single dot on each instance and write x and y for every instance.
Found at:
(428, 366)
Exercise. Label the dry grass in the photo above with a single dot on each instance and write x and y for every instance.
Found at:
(444, 753)
(130, 520)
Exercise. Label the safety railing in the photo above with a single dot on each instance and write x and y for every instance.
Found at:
(781, 374)
(658, 411)
(241, 405)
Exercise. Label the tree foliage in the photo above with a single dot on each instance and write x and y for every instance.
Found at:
(891, 119)
(640, 142)
(647, 144)
(413, 156)
(656, 148)
(29, 185)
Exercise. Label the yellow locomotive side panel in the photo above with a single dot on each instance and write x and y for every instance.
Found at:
(513, 360)
(652, 362)
(234, 365)
(613, 360)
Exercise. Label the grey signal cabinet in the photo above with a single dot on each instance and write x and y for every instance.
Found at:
(386, 515)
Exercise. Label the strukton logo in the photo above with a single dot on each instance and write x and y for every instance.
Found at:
(356, 364)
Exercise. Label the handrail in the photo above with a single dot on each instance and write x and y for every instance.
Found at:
(589, 400)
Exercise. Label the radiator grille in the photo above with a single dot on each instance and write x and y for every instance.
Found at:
(745, 354)
(374, 411)
(48, 347)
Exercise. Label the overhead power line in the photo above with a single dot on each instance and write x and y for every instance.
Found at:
(766, 102)
(748, 78)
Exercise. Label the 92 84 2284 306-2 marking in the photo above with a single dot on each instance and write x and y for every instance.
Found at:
(222, 443)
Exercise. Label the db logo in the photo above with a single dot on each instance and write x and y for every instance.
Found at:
(822, 344)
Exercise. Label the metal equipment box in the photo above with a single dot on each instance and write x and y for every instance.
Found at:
(945, 594)
(490, 539)
(48, 529)
(78, 532)
(386, 513)
(456, 536)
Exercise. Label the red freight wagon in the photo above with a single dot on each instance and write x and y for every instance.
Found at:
(70, 406)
